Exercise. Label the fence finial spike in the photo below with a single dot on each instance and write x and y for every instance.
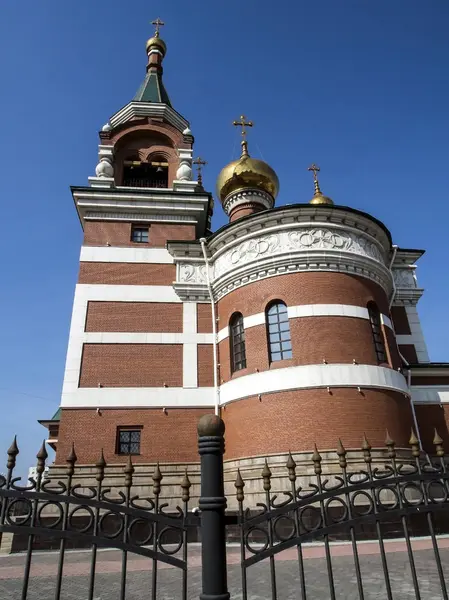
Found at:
(72, 458)
(316, 457)
(129, 471)
(438, 443)
(13, 450)
(239, 483)
(42, 454)
(290, 462)
(101, 461)
(388, 440)
(266, 470)
(185, 487)
(157, 478)
(414, 443)
(437, 438)
(365, 443)
(413, 439)
(341, 450)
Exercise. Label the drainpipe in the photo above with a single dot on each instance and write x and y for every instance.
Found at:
(393, 295)
(409, 372)
(214, 328)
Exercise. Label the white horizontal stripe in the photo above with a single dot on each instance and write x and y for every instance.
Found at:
(252, 320)
(126, 293)
(313, 376)
(310, 310)
(125, 255)
(138, 397)
(145, 338)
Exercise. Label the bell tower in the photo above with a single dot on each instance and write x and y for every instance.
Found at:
(133, 345)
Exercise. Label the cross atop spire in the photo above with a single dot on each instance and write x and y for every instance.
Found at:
(243, 124)
(157, 23)
(316, 169)
(200, 163)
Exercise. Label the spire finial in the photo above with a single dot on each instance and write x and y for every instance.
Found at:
(243, 123)
(200, 163)
(158, 24)
(316, 169)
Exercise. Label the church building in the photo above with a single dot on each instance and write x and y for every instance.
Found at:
(295, 323)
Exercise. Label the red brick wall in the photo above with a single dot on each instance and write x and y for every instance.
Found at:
(205, 365)
(118, 233)
(297, 419)
(126, 273)
(131, 365)
(204, 318)
(302, 288)
(170, 437)
(400, 320)
(336, 339)
(155, 317)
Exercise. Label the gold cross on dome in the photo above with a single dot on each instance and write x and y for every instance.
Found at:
(157, 23)
(243, 123)
(200, 163)
(316, 169)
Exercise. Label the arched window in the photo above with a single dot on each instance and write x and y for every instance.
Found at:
(376, 328)
(237, 342)
(278, 330)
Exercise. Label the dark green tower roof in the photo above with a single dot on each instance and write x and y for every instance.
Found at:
(152, 89)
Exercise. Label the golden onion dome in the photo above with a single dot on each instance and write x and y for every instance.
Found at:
(244, 173)
(320, 199)
(157, 42)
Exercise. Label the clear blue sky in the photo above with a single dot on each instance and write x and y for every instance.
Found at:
(358, 86)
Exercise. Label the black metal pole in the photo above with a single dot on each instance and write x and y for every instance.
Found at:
(212, 505)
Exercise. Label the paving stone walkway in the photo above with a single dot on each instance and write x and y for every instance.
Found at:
(77, 565)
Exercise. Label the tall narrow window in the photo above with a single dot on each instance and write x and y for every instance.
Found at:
(278, 330)
(237, 342)
(376, 328)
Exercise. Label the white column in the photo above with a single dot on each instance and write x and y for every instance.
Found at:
(189, 351)
(417, 337)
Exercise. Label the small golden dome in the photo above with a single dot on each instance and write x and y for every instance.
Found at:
(320, 199)
(156, 42)
(244, 173)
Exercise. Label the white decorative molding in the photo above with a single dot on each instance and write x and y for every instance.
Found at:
(405, 278)
(110, 254)
(310, 310)
(247, 197)
(139, 398)
(124, 293)
(313, 376)
(149, 109)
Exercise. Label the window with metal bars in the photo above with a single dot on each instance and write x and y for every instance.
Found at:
(237, 342)
(376, 328)
(128, 440)
(278, 331)
(139, 234)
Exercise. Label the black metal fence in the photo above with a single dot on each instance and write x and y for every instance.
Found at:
(404, 496)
